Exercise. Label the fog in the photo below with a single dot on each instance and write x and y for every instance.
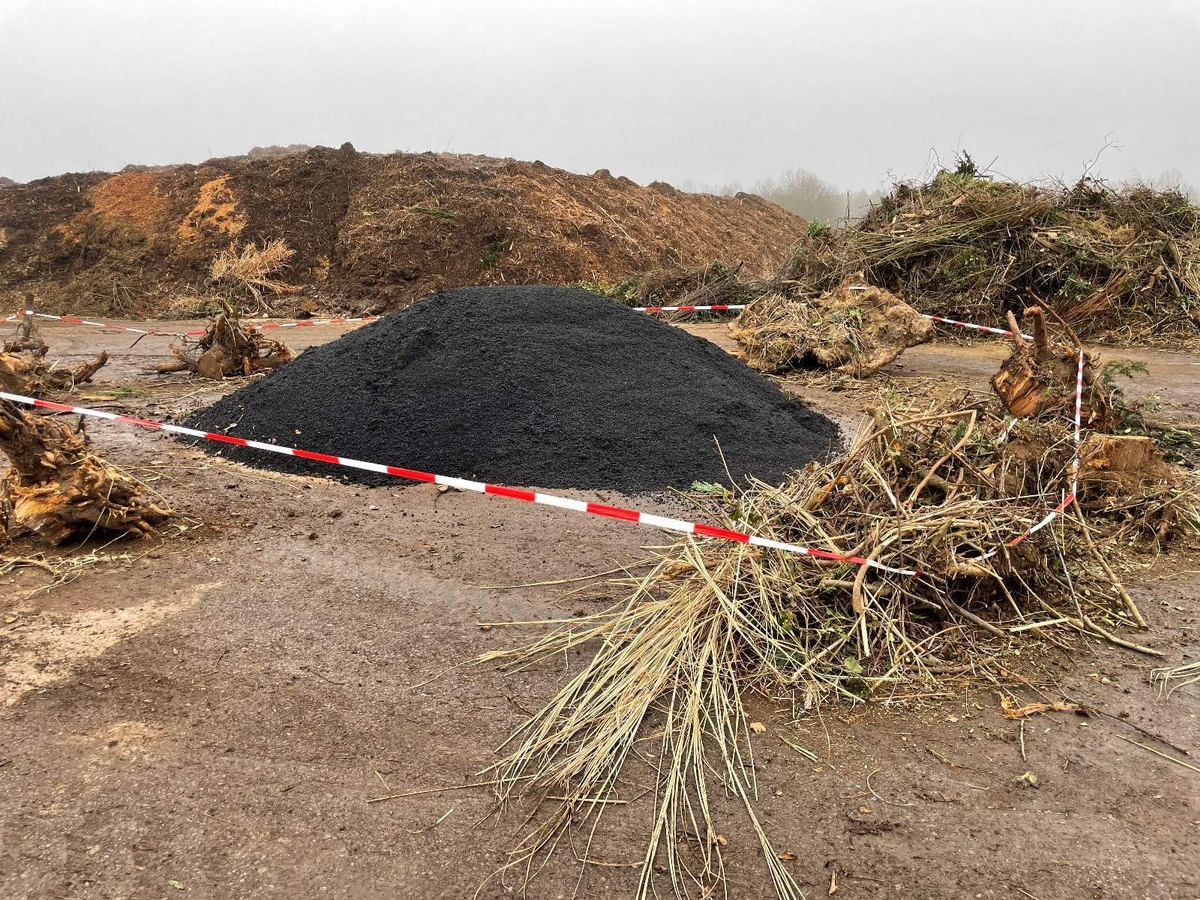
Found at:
(703, 93)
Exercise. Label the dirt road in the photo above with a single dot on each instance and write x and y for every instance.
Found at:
(210, 714)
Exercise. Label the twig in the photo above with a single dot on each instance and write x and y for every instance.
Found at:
(1168, 757)
(1130, 606)
(441, 790)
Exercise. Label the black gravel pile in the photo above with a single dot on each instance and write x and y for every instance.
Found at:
(544, 386)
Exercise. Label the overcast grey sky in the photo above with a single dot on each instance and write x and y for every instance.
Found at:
(666, 89)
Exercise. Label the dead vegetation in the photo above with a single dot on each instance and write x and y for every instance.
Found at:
(1039, 377)
(928, 562)
(1117, 263)
(227, 348)
(253, 270)
(369, 231)
(24, 369)
(714, 284)
(856, 329)
(1170, 678)
(1121, 263)
(59, 486)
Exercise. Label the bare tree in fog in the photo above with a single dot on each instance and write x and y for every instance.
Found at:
(812, 197)
(1172, 180)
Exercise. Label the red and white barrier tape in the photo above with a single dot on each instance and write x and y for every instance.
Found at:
(1070, 498)
(718, 307)
(310, 323)
(973, 327)
(595, 509)
(110, 326)
(72, 320)
(550, 499)
(357, 320)
(945, 321)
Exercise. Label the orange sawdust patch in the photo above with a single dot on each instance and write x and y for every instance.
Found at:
(129, 204)
(215, 212)
(131, 199)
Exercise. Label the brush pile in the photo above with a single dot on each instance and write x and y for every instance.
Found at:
(951, 491)
(59, 486)
(855, 329)
(227, 348)
(1121, 263)
(24, 369)
(711, 285)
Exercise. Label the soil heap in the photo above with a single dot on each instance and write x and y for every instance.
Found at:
(546, 386)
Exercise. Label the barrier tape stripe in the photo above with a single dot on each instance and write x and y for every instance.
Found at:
(945, 321)
(1075, 466)
(717, 307)
(1075, 463)
(312, 323)
(550, 499)
(111, 326)
(581, 506)
(72, 320)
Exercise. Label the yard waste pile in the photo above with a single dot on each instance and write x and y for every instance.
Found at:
(1122, 263)
(943, 498)
(543, 386)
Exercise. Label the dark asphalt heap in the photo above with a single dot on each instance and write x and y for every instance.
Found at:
(539, 386)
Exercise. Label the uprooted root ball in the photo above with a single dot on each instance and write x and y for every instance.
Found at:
(855, 329)
(24, 370)
(227, 348)
(59, 486)
(1039, 377)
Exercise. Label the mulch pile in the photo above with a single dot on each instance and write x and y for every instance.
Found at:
(547, 386)
(367, 231)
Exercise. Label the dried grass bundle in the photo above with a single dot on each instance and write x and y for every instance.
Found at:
(253, 268)
(950, 491)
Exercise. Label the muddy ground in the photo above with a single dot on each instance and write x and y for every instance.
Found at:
(210, 714)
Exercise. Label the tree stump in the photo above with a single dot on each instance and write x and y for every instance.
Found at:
(1038, 378)
(27, 373)
(58, 486)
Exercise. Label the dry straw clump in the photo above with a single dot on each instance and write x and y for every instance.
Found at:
(253, 269)
(948, 491)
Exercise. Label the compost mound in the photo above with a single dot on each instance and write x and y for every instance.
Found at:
(366, 231)
(545, 386)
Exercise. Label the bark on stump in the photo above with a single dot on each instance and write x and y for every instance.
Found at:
(24, 370)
